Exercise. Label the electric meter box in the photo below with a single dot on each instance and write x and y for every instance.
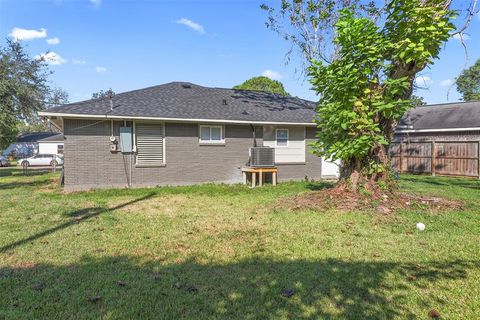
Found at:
(126, 139)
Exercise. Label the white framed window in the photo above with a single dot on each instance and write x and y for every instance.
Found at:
(211, 134)
(281, 138)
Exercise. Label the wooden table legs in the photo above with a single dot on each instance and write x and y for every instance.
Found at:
(261, 175)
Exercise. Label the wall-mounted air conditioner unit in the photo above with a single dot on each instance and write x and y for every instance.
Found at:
(262, 157)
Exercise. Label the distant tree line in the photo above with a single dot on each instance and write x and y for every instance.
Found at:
(263, 84)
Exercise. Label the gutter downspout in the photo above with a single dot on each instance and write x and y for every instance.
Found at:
(254, 135)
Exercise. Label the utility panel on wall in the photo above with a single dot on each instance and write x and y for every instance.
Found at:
(126, 141)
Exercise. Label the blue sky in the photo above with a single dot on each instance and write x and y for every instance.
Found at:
(125, 45)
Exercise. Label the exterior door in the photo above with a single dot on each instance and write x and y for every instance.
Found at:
(330, 169)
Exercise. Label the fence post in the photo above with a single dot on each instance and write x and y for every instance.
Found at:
(401, 156)
(478, 158)
(432, 150)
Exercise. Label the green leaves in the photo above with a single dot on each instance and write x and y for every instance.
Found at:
(416, 31)
(367, 88)
(468, 83)
(25, 88)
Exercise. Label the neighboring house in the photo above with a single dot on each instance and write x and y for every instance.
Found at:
(26, 145)
(51, 145)
(458, 121)
(181, 133)
(441, 139)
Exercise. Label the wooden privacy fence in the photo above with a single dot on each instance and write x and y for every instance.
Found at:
(455, 158)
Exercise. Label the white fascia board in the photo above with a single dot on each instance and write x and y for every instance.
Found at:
(438, 130)
(89, 116)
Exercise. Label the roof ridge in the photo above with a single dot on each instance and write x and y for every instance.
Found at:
(446, 104)
(126, 92)
(264, 92)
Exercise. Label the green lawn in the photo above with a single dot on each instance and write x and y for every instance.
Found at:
(229, 252)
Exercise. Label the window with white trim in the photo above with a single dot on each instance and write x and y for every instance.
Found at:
(281, 137)
(150, 144)
(211, 134)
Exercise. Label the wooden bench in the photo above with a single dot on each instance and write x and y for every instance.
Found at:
(260, 171)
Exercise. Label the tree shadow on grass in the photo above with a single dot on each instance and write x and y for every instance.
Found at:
(77, 217)
(319, 185)
(442, 181)
(21, 184)
(134, 288)
(9, 172)
(21, 180)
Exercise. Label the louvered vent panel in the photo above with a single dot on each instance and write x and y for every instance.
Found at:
(149, 144)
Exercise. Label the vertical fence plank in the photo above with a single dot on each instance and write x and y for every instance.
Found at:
(478, 159)
(401, 157)
(432, 153)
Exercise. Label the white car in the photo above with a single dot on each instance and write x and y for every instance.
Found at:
(41, 160)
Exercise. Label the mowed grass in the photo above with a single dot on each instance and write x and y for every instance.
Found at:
(229, 252)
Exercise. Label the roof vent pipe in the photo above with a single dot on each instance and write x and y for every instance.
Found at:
(110, 97)
(224, 102)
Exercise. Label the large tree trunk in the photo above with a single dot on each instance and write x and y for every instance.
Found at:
(356, 174)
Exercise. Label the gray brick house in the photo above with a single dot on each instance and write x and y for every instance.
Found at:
(180, 133)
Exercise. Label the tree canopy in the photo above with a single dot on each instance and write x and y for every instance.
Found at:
(417, 101)
(468, 82)
(24, 90)
(362, 61)
(263, 84)
(103, 94)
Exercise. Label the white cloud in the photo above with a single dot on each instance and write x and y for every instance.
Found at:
(189, 23)
(446, 83)
(96, 2)
(423, 81)
(25, 34)
(51, 58)
(272, 74)
(75, 61)
(100, 69)
(53, 41)
(459, 37)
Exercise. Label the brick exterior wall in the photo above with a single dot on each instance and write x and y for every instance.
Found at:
(90, 164)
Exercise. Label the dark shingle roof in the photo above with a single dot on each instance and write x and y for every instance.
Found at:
(189, 101)
(443, 116)
(35, 136)
(58, 137)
